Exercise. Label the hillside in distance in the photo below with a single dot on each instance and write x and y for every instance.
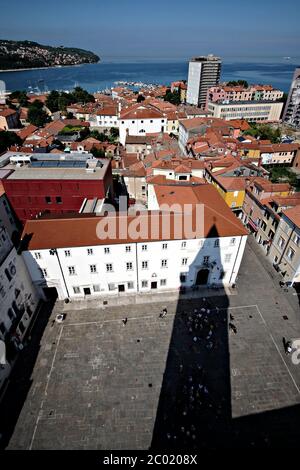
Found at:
(28, 54)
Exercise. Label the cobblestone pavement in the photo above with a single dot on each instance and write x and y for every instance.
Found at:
(99, 384)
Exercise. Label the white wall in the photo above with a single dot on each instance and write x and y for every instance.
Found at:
(136, 126)
(194, 75)
(194, 251)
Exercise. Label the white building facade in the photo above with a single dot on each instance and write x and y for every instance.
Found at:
(19, 301)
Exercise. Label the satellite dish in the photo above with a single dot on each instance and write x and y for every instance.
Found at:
(2, 353)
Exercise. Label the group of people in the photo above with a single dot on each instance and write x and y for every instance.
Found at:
(195, 402)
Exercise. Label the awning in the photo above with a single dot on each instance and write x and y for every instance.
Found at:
(252, 225)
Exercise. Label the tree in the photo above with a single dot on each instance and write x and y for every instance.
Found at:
(21, 96)
(114, 132)
(36, 114)
(284, 174)
(173, 98)
(8, 138)
(242, 83)
(264, 132)
(98, 153)
(52, 101)
(98, 135)
(82, 96)
(140, 98)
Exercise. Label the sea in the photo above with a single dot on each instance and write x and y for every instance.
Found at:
(277, 71)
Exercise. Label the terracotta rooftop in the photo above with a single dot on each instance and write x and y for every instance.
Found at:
(294, 215)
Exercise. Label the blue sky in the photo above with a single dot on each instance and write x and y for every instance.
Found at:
(158, 29)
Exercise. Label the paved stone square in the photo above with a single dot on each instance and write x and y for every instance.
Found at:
(184, 380)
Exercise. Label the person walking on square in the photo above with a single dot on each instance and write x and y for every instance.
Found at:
(163, 313)
(125, 320)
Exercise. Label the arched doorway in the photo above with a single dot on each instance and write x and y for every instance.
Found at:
(202, 277)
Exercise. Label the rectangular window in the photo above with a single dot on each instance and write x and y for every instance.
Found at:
(184, 261)
(76, 290)
(130, 285)
(163, 282)
(227, 258)
(183, 244)
(37, 255)
(205, 259)
(232, 241)
(144, 247)
(48, 199)
(291, 253)
(93, 268)
(72, 270)
(111, 287)
(2, 328)
(144, 264)
(109, 268)
(164, 263)
(67, 253)
(21, 327)
(281, 242)
(96, 287)
(90, 251)
(183, 277)
(128, 249)
(106, 251)
(217, 243)
(129, 266)
(144, 283)
(58, 200)
(164, 246)
(296, 239)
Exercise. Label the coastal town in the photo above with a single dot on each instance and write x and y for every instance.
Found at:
(91, 313)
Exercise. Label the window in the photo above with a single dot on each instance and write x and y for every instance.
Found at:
(93, 268)
(232, 241)
(275, 259)
(90, 251)
(217, 243)
(222, 275)
(183, 244)
(76, 290)
(227, 258)
(67, 253)
(163, 282)
(184, 261)
(296, 239)
(128, 249)
(281, 242)
(109, 268)
(129, 266)
(144, 283)
(2, 328)
(21, 327)
(111, 286)
(164, 246)
(106, 251)
(164, 263)
(233, 204)
(37, 255)
(48, 199)
(96, 287)
(11, 314)
(205, 259)
(183, 277)
(72, 270)
(58, 200)
(144, 264)
(144, 247)
(130, 285)
(291, 253)
(263, 225)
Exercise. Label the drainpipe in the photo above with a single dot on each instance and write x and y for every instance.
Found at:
(137, 268)
(286, 245)
(62, 273)
(236, 259)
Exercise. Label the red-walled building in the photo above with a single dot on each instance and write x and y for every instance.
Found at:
(54, 185)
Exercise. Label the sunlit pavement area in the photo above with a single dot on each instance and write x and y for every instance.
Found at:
(185, 380)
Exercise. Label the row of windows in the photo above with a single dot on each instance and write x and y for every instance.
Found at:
(129, 265)
(151, 120)
(128, 248)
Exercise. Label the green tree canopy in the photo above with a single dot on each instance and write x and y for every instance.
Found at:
(36, 114)
(264, 132)
(173, 98)
(21, 96)
(8, 138)
(243, 83)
